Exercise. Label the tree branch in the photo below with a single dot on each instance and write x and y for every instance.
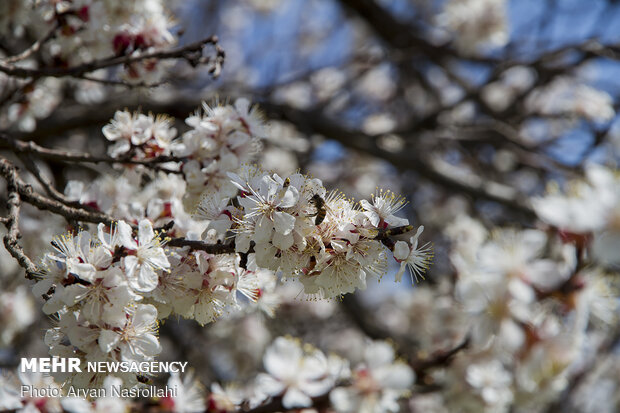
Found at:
(26, 193)
(33, 48)
(47, 185)
(12, 225)
(19, 146)
(202, 246)
(314, 121)
(428, 166)
(192, 53)
(275, 405)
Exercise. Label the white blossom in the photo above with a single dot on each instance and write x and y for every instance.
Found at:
(136, 340)
(145, 256)
(294, 373)
(409, 255)
(378, 382)
(189, 395)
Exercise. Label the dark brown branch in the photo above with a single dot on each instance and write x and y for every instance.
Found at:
(47, 185)
(427, 165)
(192, 53)
(440, 358)
(12, 225)
(230, 248)
(33, 48)
(27, 194)
(112, 82)
(19, 146)
(202, 246)
(275, 405)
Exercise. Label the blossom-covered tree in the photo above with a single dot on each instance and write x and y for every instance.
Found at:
(427, 220)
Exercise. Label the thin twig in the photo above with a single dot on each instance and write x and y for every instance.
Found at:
(33, 48)
(113, 82)
(26, 193)
(438, 359)
(230, 248)
(47, 185)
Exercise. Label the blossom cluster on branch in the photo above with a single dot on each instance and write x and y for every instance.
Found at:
(108, 289)
(375, 384)
(523, 302)
(86, 30)
(81, 39)
(531, 301)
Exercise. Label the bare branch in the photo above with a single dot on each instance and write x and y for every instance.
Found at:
(112, 82)
(441, 358)
(230, 248)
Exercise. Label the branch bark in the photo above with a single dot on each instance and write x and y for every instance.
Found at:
(27, 194)
(192, 53)
(12, 225)
(30, 147)
(33, 48)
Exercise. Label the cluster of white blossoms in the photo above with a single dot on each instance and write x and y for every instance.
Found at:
(298, 373)
(327, 242)
(108, 292)
(139, 136)
(376, 383)
(128, 198)
(107, 289)
(95, 288)
(84, 31)
(314, 374)
(530, 303)
(221, 140)
(93, 29)
(589, 209)
(475, 23)
(569, 96)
